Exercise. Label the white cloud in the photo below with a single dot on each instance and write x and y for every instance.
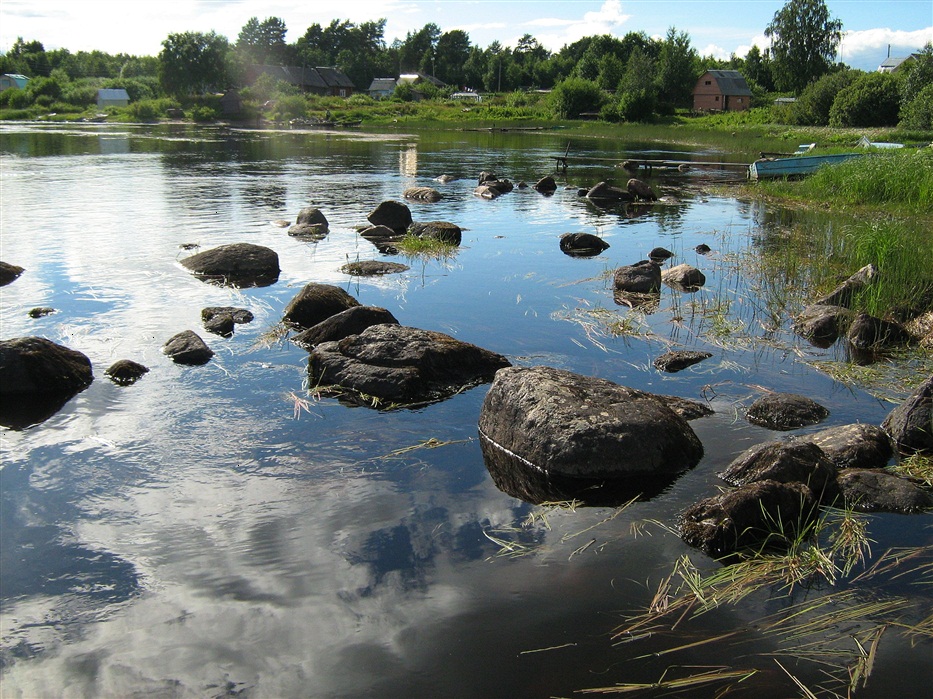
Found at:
(609, 19)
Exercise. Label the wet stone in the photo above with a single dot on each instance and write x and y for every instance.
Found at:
(785, 411)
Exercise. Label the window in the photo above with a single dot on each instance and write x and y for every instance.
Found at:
(708, 82)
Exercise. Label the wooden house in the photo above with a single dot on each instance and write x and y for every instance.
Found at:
(112, 97)
(721, 91)
(381, 88)
(319, 81)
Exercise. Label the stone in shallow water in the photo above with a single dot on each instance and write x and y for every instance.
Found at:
(785, 411)
(237, 264)
(187, 348)
(125, 372)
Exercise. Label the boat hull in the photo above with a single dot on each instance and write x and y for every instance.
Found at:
(796, 166)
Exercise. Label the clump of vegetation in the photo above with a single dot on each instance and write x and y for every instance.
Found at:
(425, 247)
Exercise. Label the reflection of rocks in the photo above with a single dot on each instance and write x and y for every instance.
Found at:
(383, 237)
(582, 244)
(879, 491)
(317, 302)
(563, 425)
(678, 360)
(352, 321)
(683, 277)
(125, 372)
(237, 264)
(911, 423)
(785, 462)
(425, 194)
(187, 348)
(443, 231)
(640, 278)
(785, 411)
(391, 214)
(9, 273)
(854, 446)
(762, 514)
(373, 268)
(821, 324)
(401, 365)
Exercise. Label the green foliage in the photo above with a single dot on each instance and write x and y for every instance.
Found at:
(871, 100)
(918, 113)
(203, 114)
(193, 62)
(150, 110)
(804, 39)
(575, 96)
(813, 106)
(290, 107)
(48, 87)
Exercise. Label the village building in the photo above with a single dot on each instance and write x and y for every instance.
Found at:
(721, 91)
(112, 97)
(327, 81)
(9, 80)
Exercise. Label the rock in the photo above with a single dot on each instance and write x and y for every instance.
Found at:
(439, 230)
(640, 190)
(311, 231)
(313, 216)
(383, 237)
(373, 268)
(679, 360)
(842, 295)
(9, 273)
(785, 411)
(785, 462)
(854, 446)
(396, 364)
(315, 303)
(879, 491)
(821, 324)
(660, 254)
(703, 249)
(426, 194)
(391, 214)
(546, 185)
(868, 332)
(34, 365)
(687, 409)
(762, 514)
(239, 315)
(566, 425)
(220, 324)
(640, 278)
(41, 311)
(607, 193)
(125, 372)
(911, 423)
(352, 321)
(683, 277)
(485, 192)
(237, 264)
(187, 348)
(582, 244)
(444, 179)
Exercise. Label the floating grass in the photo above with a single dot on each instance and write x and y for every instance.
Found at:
(426, 247)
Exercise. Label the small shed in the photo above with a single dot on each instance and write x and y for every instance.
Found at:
(721, 91)
(230, 103)
(113, 97)
(381, 88)
(8, 80)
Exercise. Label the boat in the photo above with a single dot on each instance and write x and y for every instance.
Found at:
(795, 166)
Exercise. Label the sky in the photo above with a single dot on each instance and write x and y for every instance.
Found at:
(715, 27)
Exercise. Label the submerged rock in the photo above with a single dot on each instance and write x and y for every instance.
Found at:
(352, 321)
(239, 315)
(640, 278)
(911, 423)
(125, 372)
(785, 411)
(660, 254)
(867, 332)
(582, 244)
(396, 364)
(237, 264)
(383, 237)
(641, 190)
(426, 194)
(187, 347)
(546, 185)
(603, 192)
(879, 491)
(678, 360)
(315, 303)
(311, 223)
(41, 312)
(821, 324)
(443, 231)
(373, 268)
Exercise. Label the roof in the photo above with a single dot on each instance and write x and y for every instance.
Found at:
(892, 64)
(730, 82)
(320, 78)
(112, 94)
(17, 79)
(382, 84)
(334, 77)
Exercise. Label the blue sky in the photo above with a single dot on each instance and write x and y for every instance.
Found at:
(715, 27)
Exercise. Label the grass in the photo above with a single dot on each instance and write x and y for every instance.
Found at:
(425, 248)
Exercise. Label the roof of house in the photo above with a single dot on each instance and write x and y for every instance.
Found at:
(320, 78)
(382, 84)
(112, 94)
(730, 82)
(893, 63)
(334, 77)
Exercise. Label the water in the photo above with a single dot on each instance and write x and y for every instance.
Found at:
(199, 534)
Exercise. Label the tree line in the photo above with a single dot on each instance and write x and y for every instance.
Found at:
(647, 76)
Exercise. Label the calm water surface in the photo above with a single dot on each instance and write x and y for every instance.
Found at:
(197, 535)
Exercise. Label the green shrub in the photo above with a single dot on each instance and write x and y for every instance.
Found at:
(290, 107)
(48, 87)
(575, 96)
(637, 105)
(871, 100)
(813, 106)
(918, 113)
(80, 95)
(203, 114)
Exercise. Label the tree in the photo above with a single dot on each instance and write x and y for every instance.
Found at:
(193, 62)
(575, 96)
(677, 69)
(815, 102)
(263, 42)
(413, 49)
(804, 39)
(871, 100)
(757, 68)
(638, 92)
(916, 75)
(452, 52)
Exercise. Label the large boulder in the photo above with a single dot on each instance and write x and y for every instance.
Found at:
(35, 365)
(880, 491)
(585, 429)
(854, 446)
(911, 423)
(400, 365)
(311, 223)
(443, 231)
(546, 185)
(785, 411)
(352, 321)
(187, 347)
(391, 214)
(822, 324)
(640, 278)
(785, 462)
(9, 272)
(582, 244)
(237, 264)
(315, 303)
(605, 193)
(760, 515)
(683, 277)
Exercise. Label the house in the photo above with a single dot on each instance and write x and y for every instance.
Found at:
(893, 64)
(319, 81)
(415, 78)
(114, 97)
(8, 80)
(381, 88)
(721, 91)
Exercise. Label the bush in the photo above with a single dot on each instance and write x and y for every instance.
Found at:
(872, 100)
(813, 106)
(203, 114)
(918, 113)
(80, 95)
(290, 107)
(575, 96)
(637, 105)
(48, 87)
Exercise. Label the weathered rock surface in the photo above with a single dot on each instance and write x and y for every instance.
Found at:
(352, 321)
(309, 231)
(785, 462)
(680, 359)
(221, 324)
(490, 185)
(373, 268)
(842, 295)
(641, 190)
(239, 315)
(546, 185)
(822, 325)
(854, 446)
(683, 276)
(582, 244)
(686, 408)
(9, 273)
(785, 411)
(315, 303)
(187, 348)
(425, 194)
(444, 231)
(868, 332)
(237, 264)
(749, 516)
(911, 423)
(579, 427)
(401, 365)
(660, 254)
(125, 372)
(604, 192)
(640, 278)
(880, 491)
(391, 214)
(35, 365)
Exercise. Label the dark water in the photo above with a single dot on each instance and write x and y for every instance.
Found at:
(194, 535)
